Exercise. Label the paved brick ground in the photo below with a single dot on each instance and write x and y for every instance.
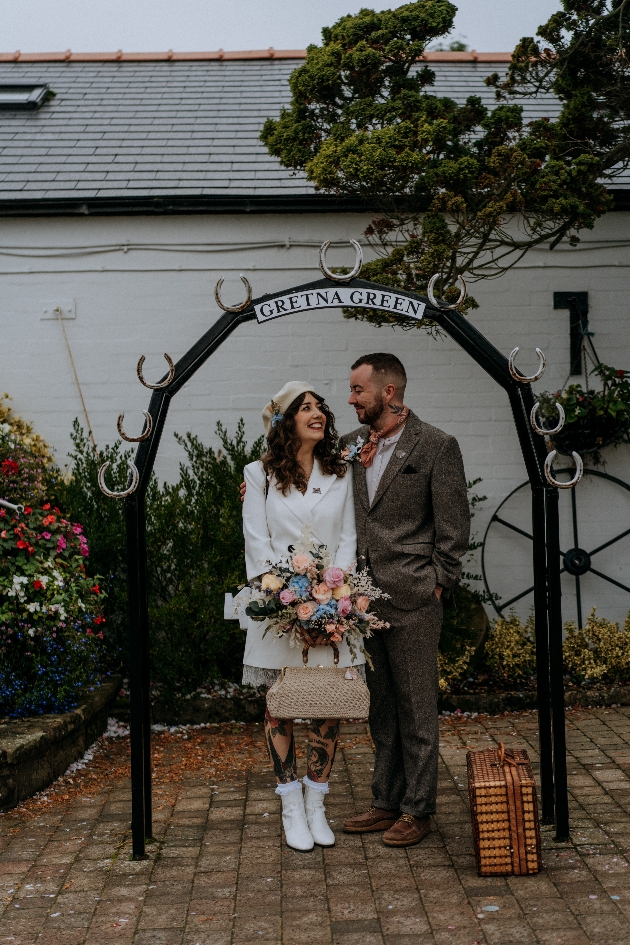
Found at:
(219, 874)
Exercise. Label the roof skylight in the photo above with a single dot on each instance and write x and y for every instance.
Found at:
(23, 95)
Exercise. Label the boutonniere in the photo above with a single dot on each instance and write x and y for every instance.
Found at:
(352, 451)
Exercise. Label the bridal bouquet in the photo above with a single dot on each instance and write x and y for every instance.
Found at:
(305, 596)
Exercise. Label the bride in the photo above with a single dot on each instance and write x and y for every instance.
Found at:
(299, 483)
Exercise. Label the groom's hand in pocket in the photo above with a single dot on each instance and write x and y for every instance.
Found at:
(437, 590)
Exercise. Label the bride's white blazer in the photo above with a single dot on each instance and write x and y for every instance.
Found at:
(274, 521)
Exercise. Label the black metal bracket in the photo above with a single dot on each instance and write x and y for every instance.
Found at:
(577, 303)
(548, 621)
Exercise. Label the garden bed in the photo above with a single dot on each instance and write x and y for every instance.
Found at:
(250, 708)
(36, 751)
(494, 703)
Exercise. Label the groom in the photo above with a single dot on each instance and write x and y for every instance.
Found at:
(413, 526)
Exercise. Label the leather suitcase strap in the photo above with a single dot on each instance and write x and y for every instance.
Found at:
(517, 820)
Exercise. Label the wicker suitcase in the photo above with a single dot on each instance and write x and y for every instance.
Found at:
(504, 811)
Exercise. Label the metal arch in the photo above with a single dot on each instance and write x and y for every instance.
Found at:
(533, 419)
(463, 292)
(338, 277)
(233, 308)
(135, 479)
(493, 362)
(146, 433)
(579, 471)
(521, 378)
(171, 373)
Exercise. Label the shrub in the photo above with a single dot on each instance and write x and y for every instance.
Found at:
(104, 521)
(465, 626)
(511, 650)
(50, 613)
(599, 651)
(23, 431)
(195, 553)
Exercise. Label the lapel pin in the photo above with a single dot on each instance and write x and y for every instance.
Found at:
(401, 454)
(317, 490)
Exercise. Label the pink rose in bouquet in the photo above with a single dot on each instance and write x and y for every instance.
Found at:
(335, 632)
(321, 593)
(287, 596)
(306, 610)
(344, 606)
(334, 577)
(301, 563)
(362, 603)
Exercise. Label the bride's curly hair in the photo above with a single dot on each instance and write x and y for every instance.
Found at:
(283, 443)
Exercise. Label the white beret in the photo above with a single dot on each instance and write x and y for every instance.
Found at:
(283, 400)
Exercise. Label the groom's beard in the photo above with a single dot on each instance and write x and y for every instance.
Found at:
(371, 414)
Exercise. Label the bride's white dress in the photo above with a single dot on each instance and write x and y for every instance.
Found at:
(272, 522)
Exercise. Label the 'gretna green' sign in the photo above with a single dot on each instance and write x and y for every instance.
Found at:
(342, 296)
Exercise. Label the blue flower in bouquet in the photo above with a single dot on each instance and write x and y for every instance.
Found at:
(326, 610)
(299, 585)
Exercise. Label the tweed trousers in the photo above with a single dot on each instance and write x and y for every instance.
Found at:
(403, 708)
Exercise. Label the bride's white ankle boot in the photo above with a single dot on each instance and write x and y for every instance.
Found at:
(296, 829)
(316, 817)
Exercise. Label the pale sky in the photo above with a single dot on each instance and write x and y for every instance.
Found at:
(193, 25)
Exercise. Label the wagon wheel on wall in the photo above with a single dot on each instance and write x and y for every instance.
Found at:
(594, 568)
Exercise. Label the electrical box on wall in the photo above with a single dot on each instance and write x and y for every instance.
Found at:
(61, 308)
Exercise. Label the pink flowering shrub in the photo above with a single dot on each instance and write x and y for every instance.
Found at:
(51, 612)
(23, 474)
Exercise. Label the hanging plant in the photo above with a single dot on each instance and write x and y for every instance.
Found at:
(594, 419)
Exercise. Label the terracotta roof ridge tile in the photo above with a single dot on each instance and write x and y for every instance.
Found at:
(271, 53)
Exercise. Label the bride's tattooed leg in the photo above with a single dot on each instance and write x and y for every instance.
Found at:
(281, 747)
(321, 748)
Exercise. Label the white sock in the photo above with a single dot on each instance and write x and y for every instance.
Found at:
(321, 786)
(287, 788)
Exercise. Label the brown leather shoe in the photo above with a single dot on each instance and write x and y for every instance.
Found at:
(373, 819)
(407, 830)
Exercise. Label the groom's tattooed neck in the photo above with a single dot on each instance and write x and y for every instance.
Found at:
(396, 408)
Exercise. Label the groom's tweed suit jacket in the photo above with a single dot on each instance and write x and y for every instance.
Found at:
(417, 529)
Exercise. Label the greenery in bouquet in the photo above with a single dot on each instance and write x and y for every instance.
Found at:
(50, 612)
(594, 419)
(308, 598)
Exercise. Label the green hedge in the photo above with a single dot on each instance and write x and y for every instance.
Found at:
(195, 552)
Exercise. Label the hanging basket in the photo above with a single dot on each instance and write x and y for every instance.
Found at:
(595, 419)
(587, 435)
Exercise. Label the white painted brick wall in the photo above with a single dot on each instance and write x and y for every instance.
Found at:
(160, 298)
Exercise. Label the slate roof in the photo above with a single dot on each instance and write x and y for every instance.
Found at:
(171, 134)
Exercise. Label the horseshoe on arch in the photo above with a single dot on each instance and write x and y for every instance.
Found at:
(135, 479)
(146, 433)
(9, 505)
(521, 378)
(533, 418)
(171, 373)
(434, 302)
(579, 470)
(338, 277)
(233, 308)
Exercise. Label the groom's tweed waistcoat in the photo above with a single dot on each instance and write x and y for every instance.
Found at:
(415, 532)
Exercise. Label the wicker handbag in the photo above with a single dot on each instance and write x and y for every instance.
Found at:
(318, 692)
